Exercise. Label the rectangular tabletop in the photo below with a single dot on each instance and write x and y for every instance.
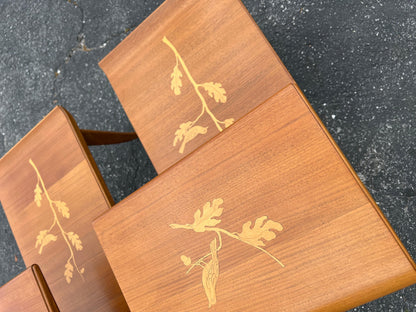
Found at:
(27, 292)
(51, 191)
(189, 71)
(267, 215)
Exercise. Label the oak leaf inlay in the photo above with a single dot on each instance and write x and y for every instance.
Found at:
(208, 217)
(216, 91)
(188, 131)
(176, 82)
(38, 195)
(62, 208)
(259, 231)
(44, 239)
(207, 221)
(45, 236)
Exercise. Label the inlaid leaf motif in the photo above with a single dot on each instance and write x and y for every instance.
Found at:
(209, 213)
(176, 82)
(186, 260)
(44, 239)
(69, 269)
(194, 131)
(180, 133)
(216, 91)
(210, 275)
(75, 240)
(186, 133)
(40, 237)
(191, 134)
(206, 221)
(38, 195)
(228, 122)
(260, 231)
(62, 208)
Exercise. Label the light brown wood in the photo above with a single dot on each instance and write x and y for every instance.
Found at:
(94, 137)
(27, 292)
(276, 216)
(190, 70)
(51, 191)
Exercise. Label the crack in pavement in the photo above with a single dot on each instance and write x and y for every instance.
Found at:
(126, 31)
(80, 38)
(81, 46)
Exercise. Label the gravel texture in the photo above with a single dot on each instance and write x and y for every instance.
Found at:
(355, 61)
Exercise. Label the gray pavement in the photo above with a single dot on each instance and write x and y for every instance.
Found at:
(355, 61)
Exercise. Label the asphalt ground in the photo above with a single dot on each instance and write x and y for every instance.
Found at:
(354, 60)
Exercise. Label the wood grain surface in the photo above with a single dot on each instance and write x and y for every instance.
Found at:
(51, 191)
(27, 292)
(281, 190)
(190, 70)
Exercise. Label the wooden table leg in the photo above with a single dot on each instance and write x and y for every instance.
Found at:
(94, 137)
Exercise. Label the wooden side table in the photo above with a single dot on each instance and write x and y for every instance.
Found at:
(28, 292)
(269, 216)
(189, 71)
(51, 190)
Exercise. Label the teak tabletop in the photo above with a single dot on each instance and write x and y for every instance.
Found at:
(189, 71)
(27, 292)
(51, 191)
(268, 215)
